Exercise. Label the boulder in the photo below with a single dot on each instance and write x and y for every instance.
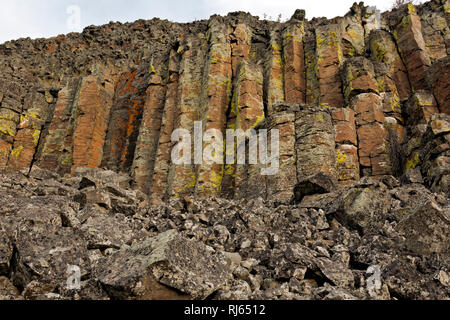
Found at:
(167, 266)
(7, 290)
(315, 184)
(6, 250)
(45, 255)
(427, 229)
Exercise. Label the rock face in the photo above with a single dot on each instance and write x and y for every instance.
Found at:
(111, 97)
(359, 105)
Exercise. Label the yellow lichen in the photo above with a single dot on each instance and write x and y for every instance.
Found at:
(380, 84)
(192, 182)
(216, 179)
(48, 97)
(413, 162)
(8, 127)
(341, 158)
(411, 8)
(5, 152)
(152, 69)
(67, 161)
(16, 152)
(36, 136)
(318, 117)
(395, 103)
(379, 51)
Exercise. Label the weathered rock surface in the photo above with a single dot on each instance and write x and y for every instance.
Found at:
(361, 105)
(111, 97)
(317, 247)
(167, 259)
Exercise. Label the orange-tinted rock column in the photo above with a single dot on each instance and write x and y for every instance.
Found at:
(216, 95)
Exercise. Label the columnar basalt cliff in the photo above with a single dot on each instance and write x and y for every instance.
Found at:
(362, 107)
(363, 96)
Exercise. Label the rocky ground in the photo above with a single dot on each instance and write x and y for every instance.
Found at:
(318, 246)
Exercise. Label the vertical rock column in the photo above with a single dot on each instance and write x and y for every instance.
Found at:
(182, 178)
(215, 102)
(329, 59)
(94, 105)
(147, 142)
(394, 87)
(392, 80)
(126, 116)
(390, 67)
(248, 108)
(361, 90)
(315, 142)
(294, 62)
(274, 71)
(373, 148)
(347, 159)
(56, 153)
(240, 46)
(37, 108)
(280, 187)
(408, 34)
(163, 154)
(240, 52)
(11, 95)
(77, 132)
(311, 71)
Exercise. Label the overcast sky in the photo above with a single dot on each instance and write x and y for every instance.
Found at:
(47, 18)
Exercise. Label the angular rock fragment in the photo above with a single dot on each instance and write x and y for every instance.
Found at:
(7, 290)
(363, 209)
(437, 78)
(427, 229)
(6, 251)
(45, 256)
(315, 184)
(167, 266)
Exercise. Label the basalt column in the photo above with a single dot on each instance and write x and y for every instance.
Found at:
(125, 120)
(248, 108)
(215, 101)
(147, 142)
(11, 95)
(38, 108)
(329, 59)
(408, 34)
(294, 62)
(77, 130)
(280, 186)
(182, 178)
(94, 105)
(274, 71)
(347, 159)
(315, 142)
(56, 153)
(163, 154)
